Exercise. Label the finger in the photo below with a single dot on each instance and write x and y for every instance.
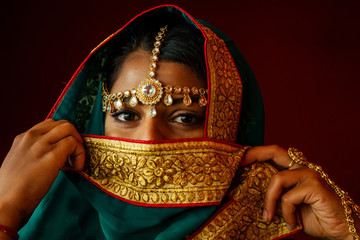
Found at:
(278, 183)
(43, 123)
(265, 153)
(68, 147)
(77, 161)
(45, 144)
(291, 199)
(39, 130)
(46, 125)
(62, 130)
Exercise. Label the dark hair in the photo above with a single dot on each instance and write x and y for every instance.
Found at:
(183, 43)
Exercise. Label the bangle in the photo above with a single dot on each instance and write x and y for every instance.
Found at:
(347, 202)
(8, 231)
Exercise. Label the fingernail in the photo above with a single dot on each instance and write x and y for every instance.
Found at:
(265, 215)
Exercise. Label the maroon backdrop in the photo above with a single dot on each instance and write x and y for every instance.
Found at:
(305, 56)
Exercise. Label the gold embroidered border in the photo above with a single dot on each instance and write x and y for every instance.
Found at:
(242, 219)
(226, 90)
(194, 172)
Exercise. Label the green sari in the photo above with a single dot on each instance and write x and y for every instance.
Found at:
(76, 207)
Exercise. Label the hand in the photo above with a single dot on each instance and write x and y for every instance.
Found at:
(31, 166)
(306, 192)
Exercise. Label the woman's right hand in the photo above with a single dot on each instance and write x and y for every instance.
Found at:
(31, 166)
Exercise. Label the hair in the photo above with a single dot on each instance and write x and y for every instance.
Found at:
(183, 43)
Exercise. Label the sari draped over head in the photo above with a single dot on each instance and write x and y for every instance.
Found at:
(171, 189)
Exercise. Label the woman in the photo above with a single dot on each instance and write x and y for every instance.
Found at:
(169, 166)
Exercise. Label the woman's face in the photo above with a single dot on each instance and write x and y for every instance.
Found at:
(171, 122)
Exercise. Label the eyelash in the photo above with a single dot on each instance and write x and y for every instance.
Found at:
(195, 118)
(116, 115)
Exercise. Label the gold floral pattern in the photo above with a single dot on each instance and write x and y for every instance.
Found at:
(194, 172)
(225, 89)
(242, 218)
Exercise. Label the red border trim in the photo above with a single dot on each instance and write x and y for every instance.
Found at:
(164, 141)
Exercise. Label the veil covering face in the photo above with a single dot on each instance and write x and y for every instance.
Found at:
(87, 206)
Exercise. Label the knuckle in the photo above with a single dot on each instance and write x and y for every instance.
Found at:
(67, 126)
(316, 180)
(72, 141)
(18, 138)
(68, 144)
(29, 135)
(51, 155)
(276, 147)
(312, 174)
(277, 178)
(285, 200)
(38, 149)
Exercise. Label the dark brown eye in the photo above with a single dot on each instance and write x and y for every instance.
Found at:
(126, 116)
(186, 118)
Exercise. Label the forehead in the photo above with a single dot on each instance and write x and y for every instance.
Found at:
(136, 68)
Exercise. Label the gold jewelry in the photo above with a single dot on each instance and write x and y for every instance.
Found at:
(348, 204)
(10, 232)
(291, 164)
(150, 90)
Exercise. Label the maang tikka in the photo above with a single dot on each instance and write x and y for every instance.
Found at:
(150, 90)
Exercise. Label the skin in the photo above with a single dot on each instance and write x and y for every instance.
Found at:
(306, 192)
(37, 156)
(31, 167)
(171, 122)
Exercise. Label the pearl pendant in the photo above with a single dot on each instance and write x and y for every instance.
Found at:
(168, 100)
(133, 101)
(152, 111)
(118, 104)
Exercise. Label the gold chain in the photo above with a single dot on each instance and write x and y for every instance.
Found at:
(348, 204)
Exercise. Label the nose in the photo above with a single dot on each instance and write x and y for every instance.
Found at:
(151, 129)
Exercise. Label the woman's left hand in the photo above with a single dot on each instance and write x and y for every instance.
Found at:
(321, 210)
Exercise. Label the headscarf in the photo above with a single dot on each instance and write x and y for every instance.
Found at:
(75, 208)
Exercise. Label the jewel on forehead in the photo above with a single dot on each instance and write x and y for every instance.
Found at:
(150, 90)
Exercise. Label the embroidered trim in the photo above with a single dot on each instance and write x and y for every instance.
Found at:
(226, 90)
(241, 218)
(182, 173)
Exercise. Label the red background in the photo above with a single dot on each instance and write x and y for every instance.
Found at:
(305, 55)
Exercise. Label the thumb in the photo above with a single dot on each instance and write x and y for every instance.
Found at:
(77, 159)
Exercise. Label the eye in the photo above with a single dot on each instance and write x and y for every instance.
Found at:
(187, 118)
(126, 116)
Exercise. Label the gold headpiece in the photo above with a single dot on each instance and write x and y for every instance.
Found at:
(150, 90)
